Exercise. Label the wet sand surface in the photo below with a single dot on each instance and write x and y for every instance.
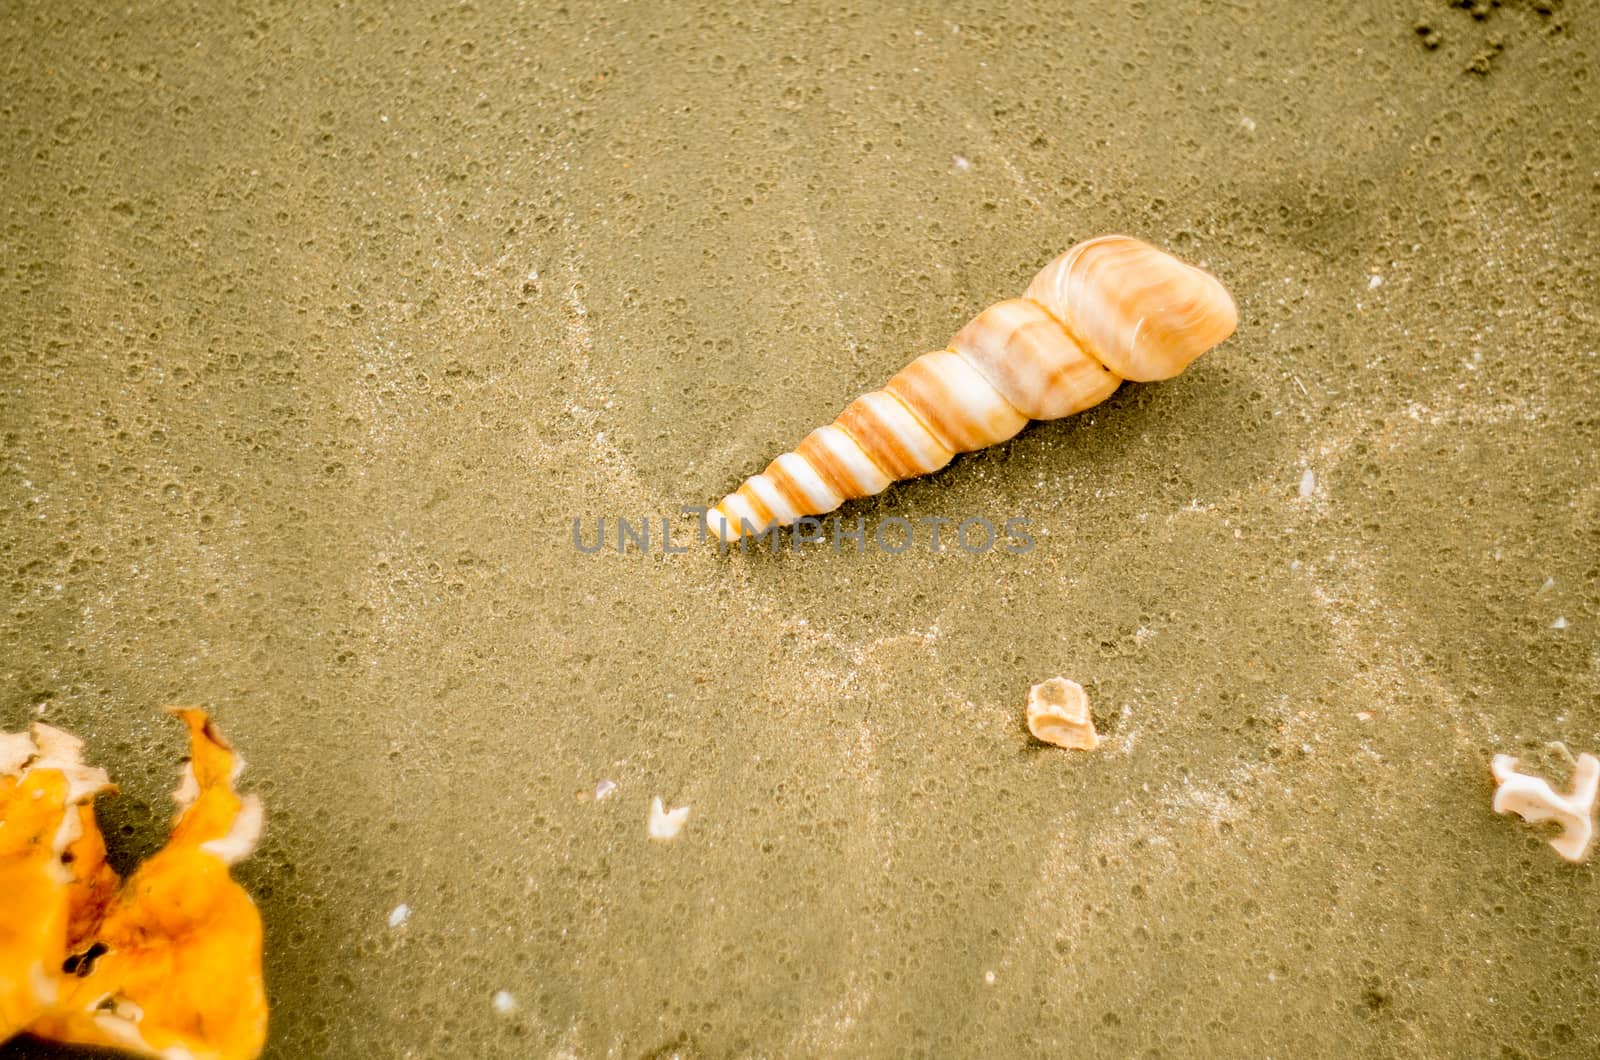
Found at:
(320, 328)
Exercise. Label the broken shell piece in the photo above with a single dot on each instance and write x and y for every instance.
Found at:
(1058, 713)
(1535, 801)
(666, 824)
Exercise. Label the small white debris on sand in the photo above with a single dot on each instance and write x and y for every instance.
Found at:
(1308, 483)
(399, 915)
(1559, 623)
(988, 977)
(1058, 713)
(666, 824)
(1535, 801)
(1376, 281)
(960, 162)
(603, 789)
(504, 1003)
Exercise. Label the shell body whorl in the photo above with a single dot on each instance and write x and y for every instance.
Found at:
(1033, 361)
(1108, 309)
(1138, 310)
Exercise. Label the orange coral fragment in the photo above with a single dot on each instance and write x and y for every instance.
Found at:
(166, 963)
(43, 784)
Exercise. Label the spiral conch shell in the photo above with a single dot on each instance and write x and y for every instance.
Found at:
(1109, 309)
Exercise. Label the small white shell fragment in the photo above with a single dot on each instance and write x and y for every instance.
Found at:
(399, 915)
(504, 1003)
(603, 789)
(666, 824)
(1535, 801)
(1058, 713)
(1375, 282)
(1559, 623)
(1308, 483)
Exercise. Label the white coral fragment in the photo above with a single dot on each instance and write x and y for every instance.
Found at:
(64, 751)
(666, 824)
(1535, 801)
(16, 751)
(1058, 713)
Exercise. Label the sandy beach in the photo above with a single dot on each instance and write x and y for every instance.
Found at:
(328, 335)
